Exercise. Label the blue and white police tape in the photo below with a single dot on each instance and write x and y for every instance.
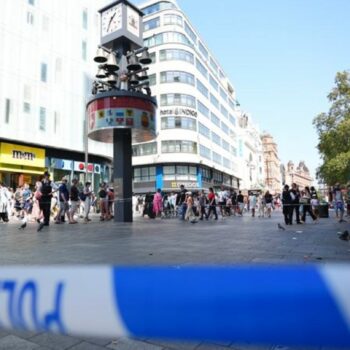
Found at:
(291, 305)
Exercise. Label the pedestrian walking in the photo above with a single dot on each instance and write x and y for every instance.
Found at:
(181, 202)
(157, 203)
(306, 201)
(87, 202)
(252, 203)
(212, 204)
(295, 204)
(4, 202)
(268, 203)
(47, 187)
(286, 203)
(63, 199)
(240, 203)
(74, 201)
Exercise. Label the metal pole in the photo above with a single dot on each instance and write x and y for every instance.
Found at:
(86, 146)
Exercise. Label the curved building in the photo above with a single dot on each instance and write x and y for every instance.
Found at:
(197, 122)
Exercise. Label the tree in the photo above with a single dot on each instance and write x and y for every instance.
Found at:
(333, 130)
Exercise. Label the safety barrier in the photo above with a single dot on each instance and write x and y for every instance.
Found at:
(291, 305)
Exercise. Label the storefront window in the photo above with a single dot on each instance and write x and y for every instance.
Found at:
(144, 174)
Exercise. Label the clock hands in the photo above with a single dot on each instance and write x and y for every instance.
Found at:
(110, 21)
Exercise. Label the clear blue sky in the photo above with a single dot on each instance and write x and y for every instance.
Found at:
(282, 57)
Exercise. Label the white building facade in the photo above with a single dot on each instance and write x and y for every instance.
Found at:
(200, 143)
(45, 78)
(46, 74)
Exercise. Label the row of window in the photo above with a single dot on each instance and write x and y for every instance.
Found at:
(169, 19)
(180, 172)
(45, 19)
(27, 110)
(171, 146)
(183, 55)
(190, 101)
(173, 19)
(207, 153)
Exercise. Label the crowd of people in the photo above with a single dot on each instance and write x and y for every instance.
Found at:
(202, 205)
(50, 202)
(195, 206)
(47, 201)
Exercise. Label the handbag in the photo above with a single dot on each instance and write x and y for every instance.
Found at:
(37, 195)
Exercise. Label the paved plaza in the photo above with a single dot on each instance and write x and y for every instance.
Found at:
(234, 240)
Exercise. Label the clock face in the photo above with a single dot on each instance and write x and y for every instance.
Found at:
(111, 19)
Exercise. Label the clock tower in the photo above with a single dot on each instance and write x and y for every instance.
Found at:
(122, 108)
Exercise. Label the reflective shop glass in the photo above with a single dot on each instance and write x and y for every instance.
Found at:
(151, 24)
(180, 172)
(177, 77)
(179, 146)
(159, 6)
(173, 20)
(204, 152)
(145, 174)
(176, 55)
(178, 123)
(167, 37)
(177, 99)
(202, 89)
(144, 149)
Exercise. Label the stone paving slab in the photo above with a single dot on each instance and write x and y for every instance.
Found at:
(172, 242)
(12, 342)
(55, 341)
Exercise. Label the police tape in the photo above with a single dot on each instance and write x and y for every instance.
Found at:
(291, 305)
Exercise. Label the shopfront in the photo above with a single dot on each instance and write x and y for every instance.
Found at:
(20, 164)
(70, 169)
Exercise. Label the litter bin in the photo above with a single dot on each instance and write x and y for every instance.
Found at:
(323, 211)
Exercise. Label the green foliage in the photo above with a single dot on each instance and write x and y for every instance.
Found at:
(333, 129)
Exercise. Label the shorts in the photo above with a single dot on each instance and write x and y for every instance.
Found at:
(268, 205)
(74, 205)
(339, 206)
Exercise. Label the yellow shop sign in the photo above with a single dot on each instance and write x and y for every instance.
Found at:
(22, 155)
